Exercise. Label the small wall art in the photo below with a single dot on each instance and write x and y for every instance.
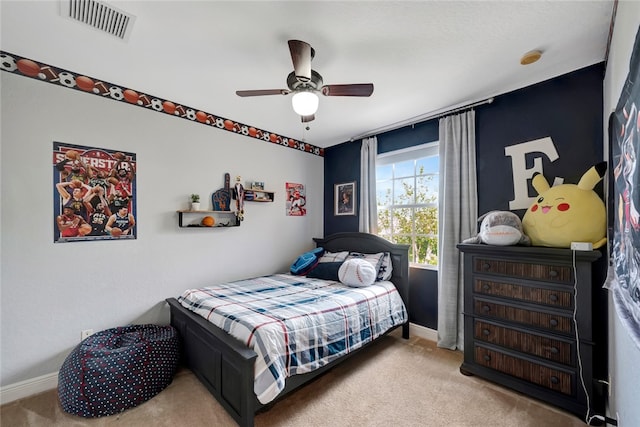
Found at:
(345, 199)
(256, 185)
(296, 199)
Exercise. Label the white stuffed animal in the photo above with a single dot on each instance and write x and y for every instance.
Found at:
(500, 228)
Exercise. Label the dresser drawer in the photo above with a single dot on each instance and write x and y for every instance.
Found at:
(551, 297)
(546, 272)
(537, 345)
(549, 321)
(544, 376)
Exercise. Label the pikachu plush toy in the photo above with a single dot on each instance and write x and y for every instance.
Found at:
(567, 213)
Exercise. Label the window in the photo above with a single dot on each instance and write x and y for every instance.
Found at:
(407, 198)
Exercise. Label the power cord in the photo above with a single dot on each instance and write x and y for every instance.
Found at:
(587, 418)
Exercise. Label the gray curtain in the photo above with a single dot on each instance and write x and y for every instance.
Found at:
(368, 211)
(458, 216)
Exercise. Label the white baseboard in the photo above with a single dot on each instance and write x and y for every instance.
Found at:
(28, 387)
(423, 332)
(49, 381)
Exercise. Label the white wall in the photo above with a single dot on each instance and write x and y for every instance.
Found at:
(50, 292)
(623, 354)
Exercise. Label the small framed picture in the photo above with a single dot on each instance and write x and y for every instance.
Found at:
(257, 185)
(345, 199)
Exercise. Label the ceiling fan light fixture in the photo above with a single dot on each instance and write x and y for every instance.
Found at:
(304, 84)
(305, 103)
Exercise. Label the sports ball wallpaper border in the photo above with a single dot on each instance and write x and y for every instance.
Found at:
(17, 64)
(94, 194)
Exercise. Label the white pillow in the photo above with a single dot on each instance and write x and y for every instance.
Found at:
(357, 272)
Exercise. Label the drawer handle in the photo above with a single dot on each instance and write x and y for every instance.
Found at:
(553, 273)
(486, 332)
(487, 358)
(555, 380)
(486, 308)
(486, 266)
(553, 297)
(553, 322)
(554, 350)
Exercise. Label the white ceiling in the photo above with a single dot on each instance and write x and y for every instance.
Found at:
(422, 56)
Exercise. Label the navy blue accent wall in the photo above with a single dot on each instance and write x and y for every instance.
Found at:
(423, 297)
(341, 164)
(566, 109)
(408, 136)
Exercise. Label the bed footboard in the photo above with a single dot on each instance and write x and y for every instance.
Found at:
(222, 363)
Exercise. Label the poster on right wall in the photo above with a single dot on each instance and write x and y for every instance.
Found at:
(624, 132)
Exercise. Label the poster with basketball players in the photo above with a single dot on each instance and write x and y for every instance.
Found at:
(94, 194)
(624, 131)
(296, 199)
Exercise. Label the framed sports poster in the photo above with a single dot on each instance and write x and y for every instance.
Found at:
(296, 199)
(344, 199)
(94, 194)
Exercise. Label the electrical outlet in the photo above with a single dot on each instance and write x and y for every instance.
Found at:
(86, 333)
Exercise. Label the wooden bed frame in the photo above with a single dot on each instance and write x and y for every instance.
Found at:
(225, 365)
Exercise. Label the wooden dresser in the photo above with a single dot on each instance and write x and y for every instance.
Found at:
(519, 329)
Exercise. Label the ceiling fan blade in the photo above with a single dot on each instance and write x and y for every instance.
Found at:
(262, 92)
(307, 119)
(301, 55)
(356, 89)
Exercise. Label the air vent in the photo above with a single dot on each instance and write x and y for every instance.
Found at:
(99, 15)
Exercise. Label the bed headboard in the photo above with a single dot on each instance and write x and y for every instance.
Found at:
(370, 243)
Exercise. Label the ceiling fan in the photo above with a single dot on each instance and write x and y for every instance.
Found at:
(304, 83)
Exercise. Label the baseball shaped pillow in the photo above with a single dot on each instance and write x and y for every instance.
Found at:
(357, 273)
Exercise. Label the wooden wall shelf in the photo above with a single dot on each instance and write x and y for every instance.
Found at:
(193, 219)
(258, 196)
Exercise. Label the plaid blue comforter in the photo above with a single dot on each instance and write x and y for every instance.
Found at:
(296, 324)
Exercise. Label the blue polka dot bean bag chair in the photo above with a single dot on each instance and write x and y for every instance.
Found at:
(117, 369)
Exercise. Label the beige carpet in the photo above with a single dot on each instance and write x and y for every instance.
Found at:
(395, 382)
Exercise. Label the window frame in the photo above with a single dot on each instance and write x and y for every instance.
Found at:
(416, 152)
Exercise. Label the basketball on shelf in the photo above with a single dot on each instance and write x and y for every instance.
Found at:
(208, 221)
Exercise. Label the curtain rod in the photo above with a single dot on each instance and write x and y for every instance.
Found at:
(422, 118)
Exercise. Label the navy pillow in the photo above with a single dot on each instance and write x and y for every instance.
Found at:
(325, 271)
